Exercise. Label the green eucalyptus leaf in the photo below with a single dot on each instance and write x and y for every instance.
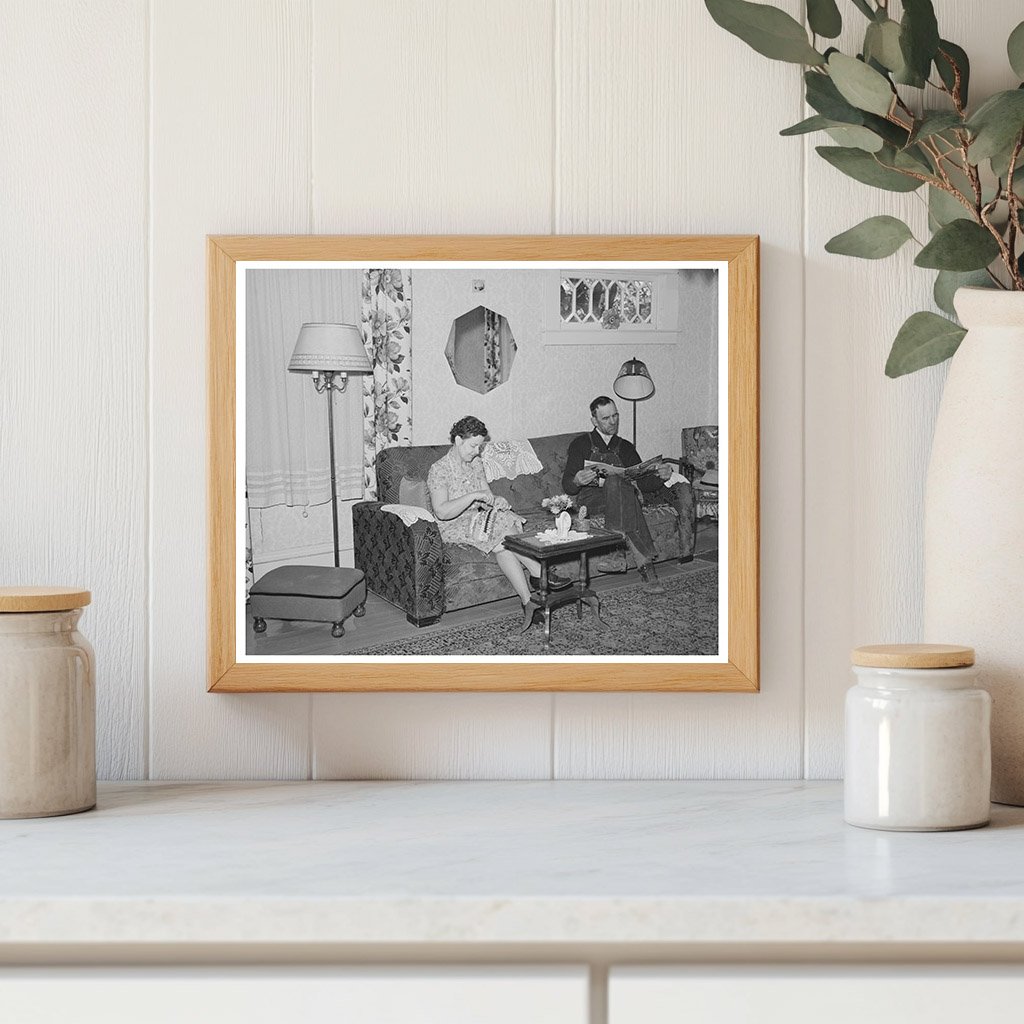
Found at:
(824, 18)
(853, 136)
(925, 339)
(872, 239)
(810, 124)
(959, 180)
(1015, 50)
(912, 159)
(950, 54)
(769, 31)
(882, 44)
(860, 85)
(824, 97)
(892, 133)
(960, 245)
(996, 124)
(944, 208)
(934, 122)
(947, 282)
(864, 7)
(1000, 161)
(919, 36)
(864, 167)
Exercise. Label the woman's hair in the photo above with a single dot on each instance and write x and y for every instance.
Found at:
(468, 426)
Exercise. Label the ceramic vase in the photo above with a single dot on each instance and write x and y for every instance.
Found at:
(563, 523)
(974, 517)
(47, 716)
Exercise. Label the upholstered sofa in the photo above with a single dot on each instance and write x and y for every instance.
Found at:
(410, 566)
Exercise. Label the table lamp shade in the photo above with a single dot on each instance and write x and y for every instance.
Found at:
(634, 381)
(330, 347)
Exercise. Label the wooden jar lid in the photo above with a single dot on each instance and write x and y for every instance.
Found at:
(42, 599)
(913, 656)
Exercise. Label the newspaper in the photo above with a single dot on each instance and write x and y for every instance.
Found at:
(630, 472)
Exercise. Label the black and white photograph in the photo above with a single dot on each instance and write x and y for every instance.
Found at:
(491, 460)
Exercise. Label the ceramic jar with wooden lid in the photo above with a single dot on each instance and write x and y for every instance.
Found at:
(918, 749)
(47, 704)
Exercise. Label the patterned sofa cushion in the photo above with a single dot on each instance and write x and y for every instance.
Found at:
(414, 492)
(530, 489)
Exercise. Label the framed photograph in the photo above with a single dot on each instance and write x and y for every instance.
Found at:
(483, 463)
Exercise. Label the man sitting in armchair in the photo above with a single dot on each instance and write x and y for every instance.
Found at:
(621, 499)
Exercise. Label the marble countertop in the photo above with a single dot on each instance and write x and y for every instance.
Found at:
(500, 862)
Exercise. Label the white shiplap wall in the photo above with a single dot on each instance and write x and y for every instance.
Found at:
(133, 129)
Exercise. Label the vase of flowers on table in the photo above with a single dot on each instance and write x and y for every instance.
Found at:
(559, 505)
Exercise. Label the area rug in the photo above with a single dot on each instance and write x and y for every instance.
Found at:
(683, 620)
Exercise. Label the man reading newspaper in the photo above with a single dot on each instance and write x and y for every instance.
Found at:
(606, 473)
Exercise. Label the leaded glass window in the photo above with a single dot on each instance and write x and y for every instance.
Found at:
(606, 302)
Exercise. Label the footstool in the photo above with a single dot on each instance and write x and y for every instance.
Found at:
(311, 593)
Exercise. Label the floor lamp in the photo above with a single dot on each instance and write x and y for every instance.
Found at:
(331, 352)
(633, 383)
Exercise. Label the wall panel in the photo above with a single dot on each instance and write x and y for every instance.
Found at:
(654, 136)
(73, 430)
(230, 112)
(432, 116)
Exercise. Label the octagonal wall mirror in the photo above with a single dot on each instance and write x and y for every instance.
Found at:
(481, 349)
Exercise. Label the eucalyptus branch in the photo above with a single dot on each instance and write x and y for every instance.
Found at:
(1004, 252)
(995, 280)
(1014, 225)
(901, 104)
(974, 179)
(954, 93)
(932, 150)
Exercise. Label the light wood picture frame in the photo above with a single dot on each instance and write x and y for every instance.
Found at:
(737, 667)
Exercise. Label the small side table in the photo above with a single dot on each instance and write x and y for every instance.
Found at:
(546, 551)
(310, 593)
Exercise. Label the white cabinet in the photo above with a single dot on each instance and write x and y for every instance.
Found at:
(279, 995)
(815, 994)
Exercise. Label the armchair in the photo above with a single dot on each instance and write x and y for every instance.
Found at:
(700, 465)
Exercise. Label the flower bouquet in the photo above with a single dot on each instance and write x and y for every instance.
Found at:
(558, 503)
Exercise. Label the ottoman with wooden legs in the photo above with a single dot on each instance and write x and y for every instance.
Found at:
(308, 593)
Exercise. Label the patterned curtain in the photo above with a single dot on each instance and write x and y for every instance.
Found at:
(492, 350)
(387, 410)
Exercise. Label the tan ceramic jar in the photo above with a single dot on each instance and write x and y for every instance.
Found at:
(47, 704)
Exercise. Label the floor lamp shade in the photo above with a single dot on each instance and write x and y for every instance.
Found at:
(634, 381)
(331, 347)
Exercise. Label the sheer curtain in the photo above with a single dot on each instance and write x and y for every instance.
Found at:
(286, 448)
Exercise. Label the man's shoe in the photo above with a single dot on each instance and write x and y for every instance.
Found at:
(649, 575)
(555, 581)
(613, 563)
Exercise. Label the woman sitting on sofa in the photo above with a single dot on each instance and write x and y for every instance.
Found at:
(468, 512)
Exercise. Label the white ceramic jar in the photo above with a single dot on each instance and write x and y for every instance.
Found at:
(918, 748)
(47, 704)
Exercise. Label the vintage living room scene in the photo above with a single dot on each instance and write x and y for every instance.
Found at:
(489, 461)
